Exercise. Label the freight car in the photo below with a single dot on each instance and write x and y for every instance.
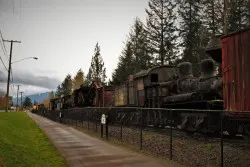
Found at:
(82, 97)
(104, 95)
(55, 104)
(142, 88)
(236, 81)
(94, 95)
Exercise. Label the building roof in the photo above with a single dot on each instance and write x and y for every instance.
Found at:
(145, 72)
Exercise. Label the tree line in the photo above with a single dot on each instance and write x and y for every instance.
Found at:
(174, 31)
(97, 72)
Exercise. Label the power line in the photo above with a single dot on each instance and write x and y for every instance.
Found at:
(3, 45)
(3, 63)
(4, 50)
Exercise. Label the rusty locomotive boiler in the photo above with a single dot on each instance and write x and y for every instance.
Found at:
(190, 92)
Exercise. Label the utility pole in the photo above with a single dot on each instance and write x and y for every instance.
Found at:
(17, 94)
(21, 99)
(8, 83)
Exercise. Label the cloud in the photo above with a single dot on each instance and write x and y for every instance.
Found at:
(26, 89)
(3, 76)
(28, 78)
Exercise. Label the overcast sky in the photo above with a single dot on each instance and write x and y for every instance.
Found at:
(63, 34)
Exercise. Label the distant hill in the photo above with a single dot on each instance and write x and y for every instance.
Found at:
(35, 97)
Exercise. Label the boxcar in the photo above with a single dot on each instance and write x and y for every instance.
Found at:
(84, 96)
(104, 95)
(236, 71)
(236, 81)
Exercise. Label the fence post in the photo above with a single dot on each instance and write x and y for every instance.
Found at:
(71, 119)
(171, 134)
(76, 119)
(107, 127)
(88, 119)
(96, 120)
(121, 131)
(141, 129)
(96, 124)
(221, 138)
(81, 119)
(101, 130)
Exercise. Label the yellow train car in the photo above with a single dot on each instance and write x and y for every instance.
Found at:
(121, 96)
(46, 103)
(35, 107)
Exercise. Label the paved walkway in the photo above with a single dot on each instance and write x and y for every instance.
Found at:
(81, 150)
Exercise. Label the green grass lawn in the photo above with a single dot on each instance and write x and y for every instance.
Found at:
(22, 143)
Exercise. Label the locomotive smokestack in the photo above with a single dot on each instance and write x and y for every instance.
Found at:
(185, 70)
(207, 68)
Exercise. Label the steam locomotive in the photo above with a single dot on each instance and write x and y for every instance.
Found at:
(175, 87)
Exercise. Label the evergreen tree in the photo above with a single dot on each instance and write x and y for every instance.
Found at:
(27, 102)
(88, 78)
(191, 30)
(126, 65)
(162, 30)
(66, 86)
(139, 44)
(238, 14)
(59, 91)
(213, 16)
(78, 79)
(97, 71)
(51, 95)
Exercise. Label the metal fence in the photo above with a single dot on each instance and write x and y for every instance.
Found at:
(143, 128)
